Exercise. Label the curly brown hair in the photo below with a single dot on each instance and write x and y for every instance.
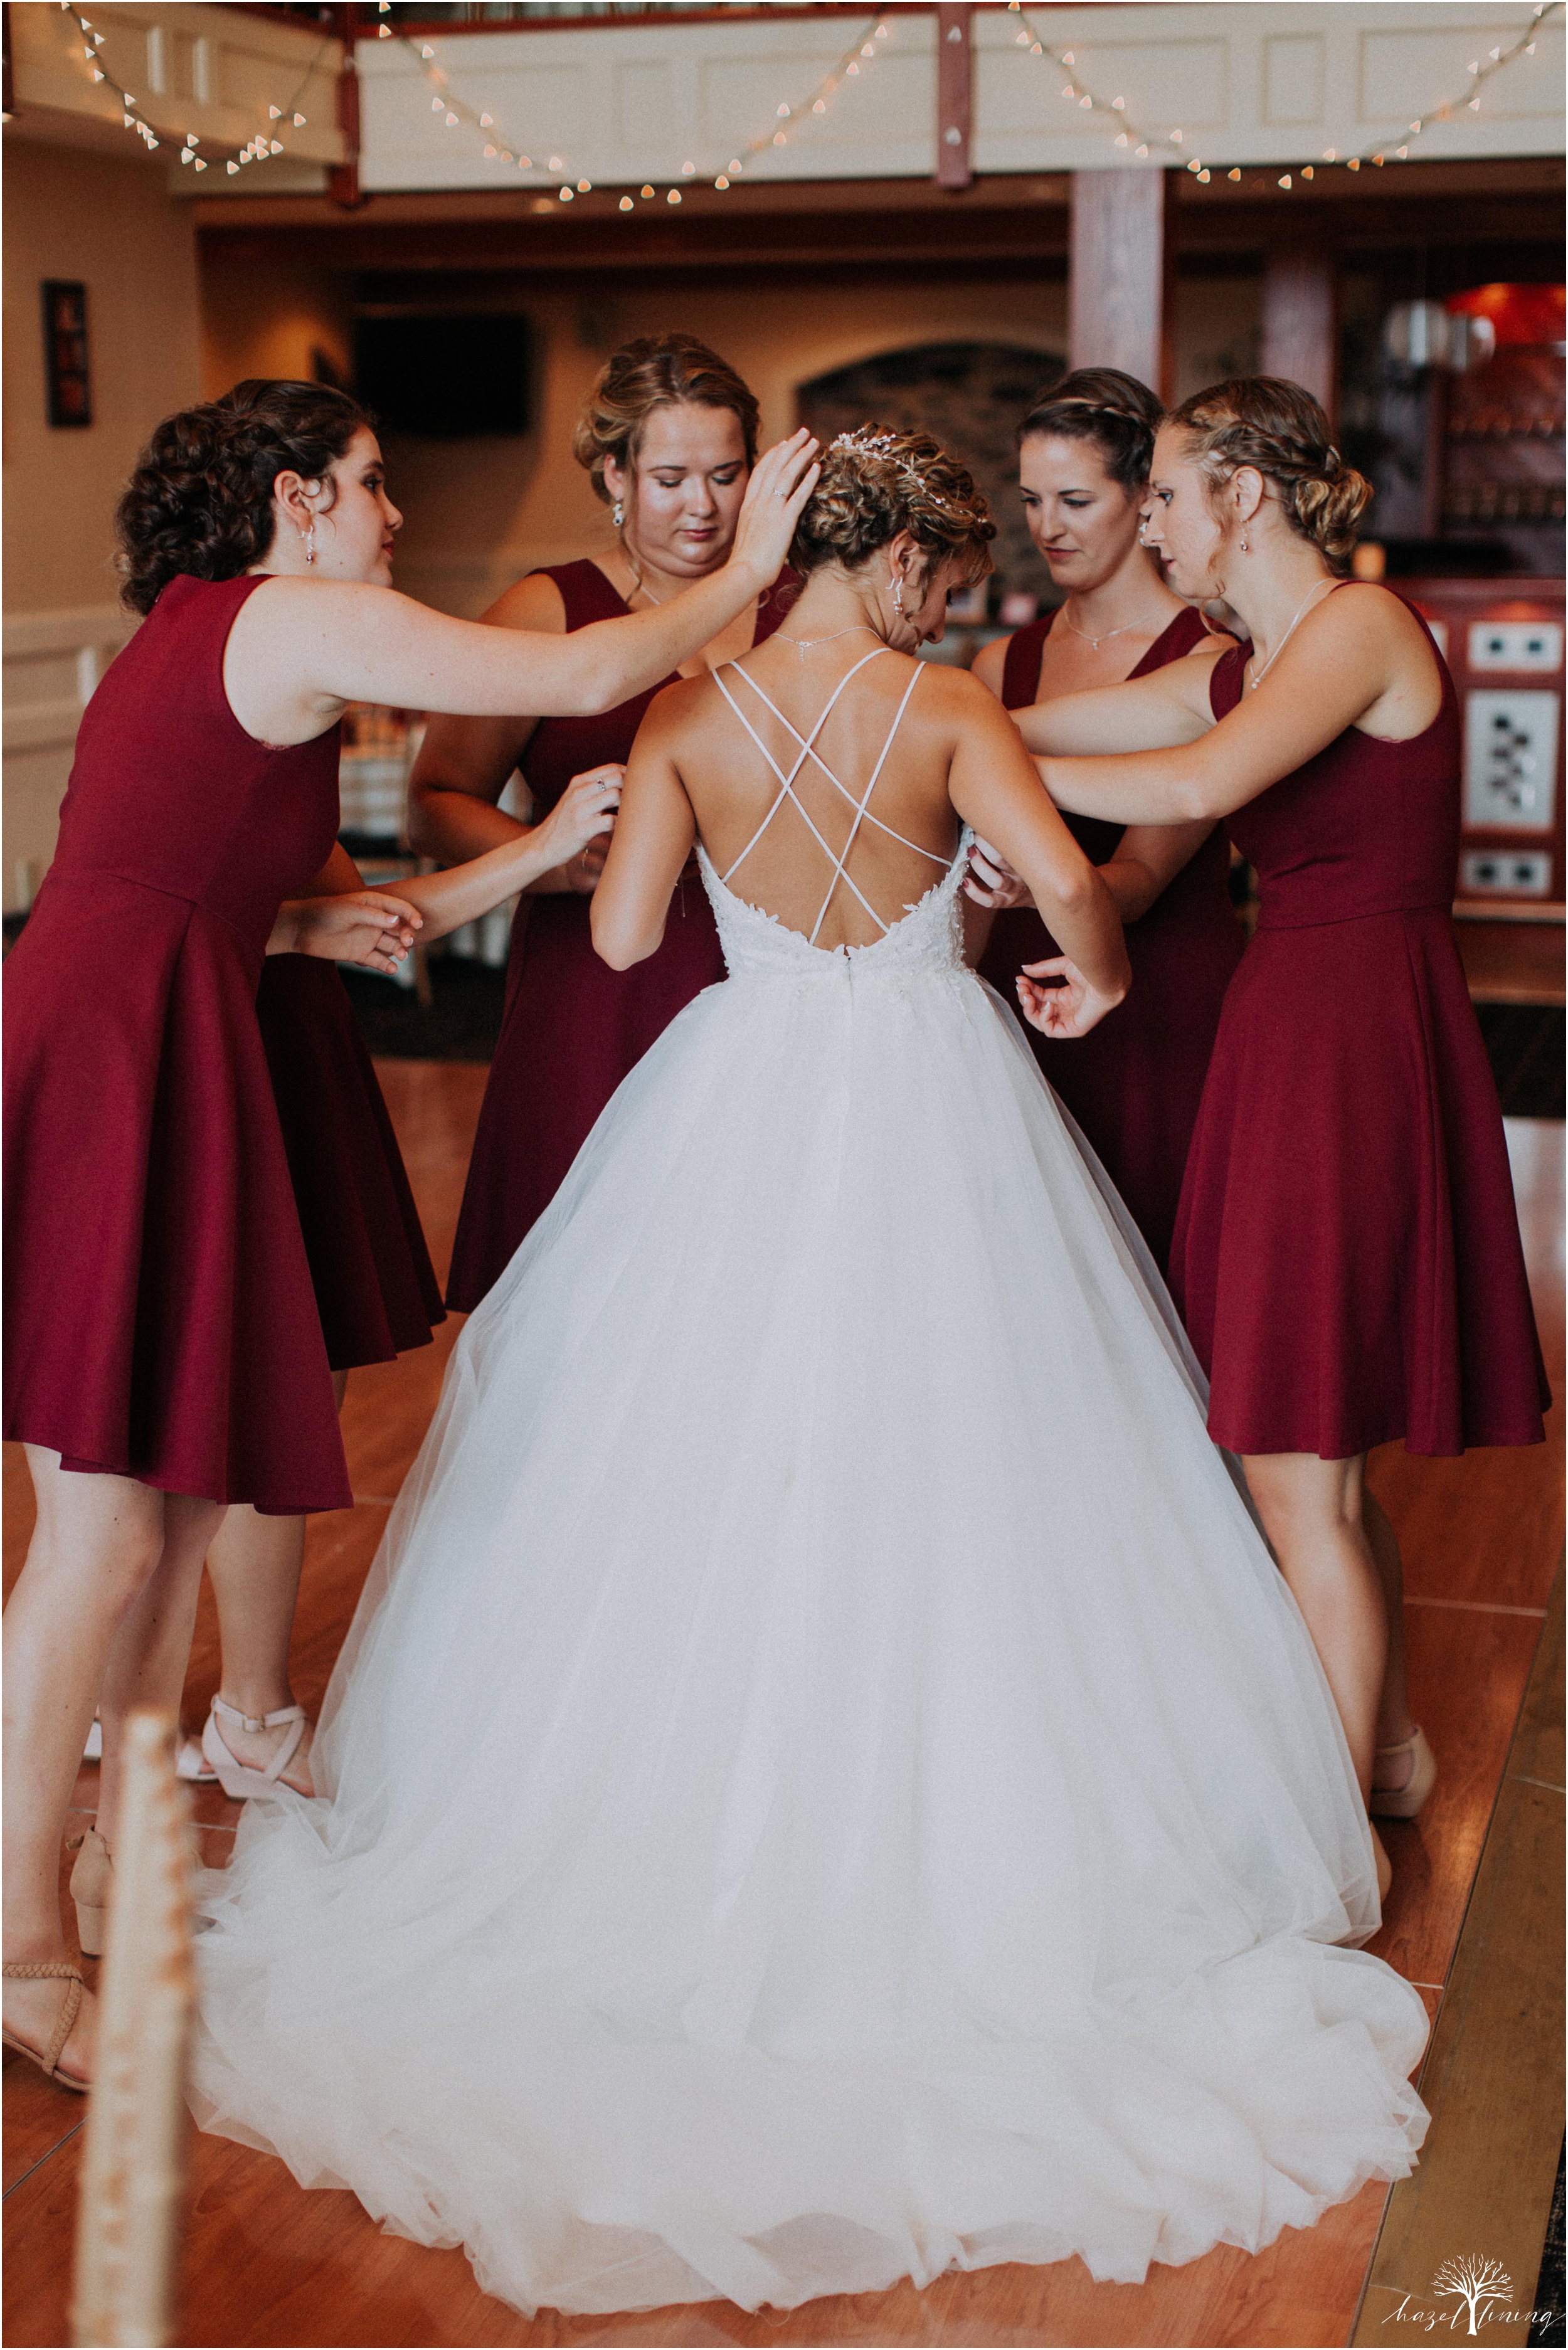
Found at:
(874, 485)
(655, 371)
(1118, 414)
(200, 500)
(1275, 426)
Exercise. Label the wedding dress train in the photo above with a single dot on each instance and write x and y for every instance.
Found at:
(826, 1783)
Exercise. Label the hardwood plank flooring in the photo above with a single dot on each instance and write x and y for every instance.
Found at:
(268, 2263)
(1494, 2070)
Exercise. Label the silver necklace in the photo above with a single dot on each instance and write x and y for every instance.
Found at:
(1253, 682)
(805, 644)
(639, 587)
(1095, 643)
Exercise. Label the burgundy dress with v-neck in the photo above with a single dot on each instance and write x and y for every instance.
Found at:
(1135, 1082)
(572, 1028)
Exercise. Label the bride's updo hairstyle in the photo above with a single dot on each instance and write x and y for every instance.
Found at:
(200, 500)
(1264, 422)
(1119, 415)
(655, 371)
(874, 485)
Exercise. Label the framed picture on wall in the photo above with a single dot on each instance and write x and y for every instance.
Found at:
(66, 365)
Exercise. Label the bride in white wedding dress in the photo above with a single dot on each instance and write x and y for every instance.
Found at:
(826, 1783)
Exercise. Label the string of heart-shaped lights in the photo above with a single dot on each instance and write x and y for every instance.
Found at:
(498, 148)
(264, 143)
(1143, 144)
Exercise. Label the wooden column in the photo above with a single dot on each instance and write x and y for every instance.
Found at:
(1119, 313)
(343, 180)
(1300, 319)
(953, 96)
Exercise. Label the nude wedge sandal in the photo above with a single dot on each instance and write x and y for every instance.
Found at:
(1404, 1802)
(237, 1779)
(92, 1882)
(49, 2061)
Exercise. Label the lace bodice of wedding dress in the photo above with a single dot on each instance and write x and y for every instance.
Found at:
(926, 944)
(826, 1783)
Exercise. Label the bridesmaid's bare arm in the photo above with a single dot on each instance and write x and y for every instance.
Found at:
(1362, 658)
(465, 763)
(1157, 713)
(1147, 859)
(300, 649)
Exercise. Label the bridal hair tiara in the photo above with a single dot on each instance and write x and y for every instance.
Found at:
(862, 443)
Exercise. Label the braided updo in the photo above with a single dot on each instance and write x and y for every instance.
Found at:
(1119, 415)
(874, 485)
(200, 500)
(1264, 422)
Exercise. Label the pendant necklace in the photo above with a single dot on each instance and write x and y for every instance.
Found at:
(1095, 643)
(805, 644)
(1301, 611)
(639, 587)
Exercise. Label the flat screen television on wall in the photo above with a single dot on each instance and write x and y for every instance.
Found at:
(446, 376)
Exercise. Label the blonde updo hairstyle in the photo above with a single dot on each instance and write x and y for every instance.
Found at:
(874, 485)
(1277, 428)
(655, 371)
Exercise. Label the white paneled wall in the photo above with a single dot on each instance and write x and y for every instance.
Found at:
(1245, 83)
(52, 662)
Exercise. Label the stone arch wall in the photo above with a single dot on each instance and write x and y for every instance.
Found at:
(970, 396)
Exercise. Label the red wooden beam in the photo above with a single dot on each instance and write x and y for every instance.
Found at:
(343, 180)
(954, 95)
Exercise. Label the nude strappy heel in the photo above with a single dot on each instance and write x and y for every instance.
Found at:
(237, 1779)
(1404, 1802)
(25, 1970)
(92, 1882)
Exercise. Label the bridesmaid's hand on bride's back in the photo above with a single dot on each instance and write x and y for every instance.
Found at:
(1068, 1010)
(992, 882)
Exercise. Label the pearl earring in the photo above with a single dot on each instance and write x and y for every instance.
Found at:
(1245, 548)
(618, 513)
(309, 537)
(897, 585)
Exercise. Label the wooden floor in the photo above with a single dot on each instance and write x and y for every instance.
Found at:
(267, 2263)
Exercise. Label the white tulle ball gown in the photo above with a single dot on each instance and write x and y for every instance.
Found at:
(826, 1783)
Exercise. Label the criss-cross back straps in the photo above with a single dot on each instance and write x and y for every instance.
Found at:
(788, 791)
(810, 752)
(806, 742)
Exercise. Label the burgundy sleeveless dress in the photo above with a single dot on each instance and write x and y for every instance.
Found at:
(375, 1284)
(1135, 1082)
(159, 1318)
(572, 1028)
(1347, 1257)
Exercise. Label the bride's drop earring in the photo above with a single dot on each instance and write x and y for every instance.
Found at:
(309, 537)
(1245, 549)
(897, 585)
(618, 513)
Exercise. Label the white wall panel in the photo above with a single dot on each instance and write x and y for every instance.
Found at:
(1246, 81)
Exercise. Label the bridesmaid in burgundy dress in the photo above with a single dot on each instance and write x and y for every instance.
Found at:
(164, 1350)
(377, 1294)
(1348, 1255)
(1135, 1082)
(669, 437)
